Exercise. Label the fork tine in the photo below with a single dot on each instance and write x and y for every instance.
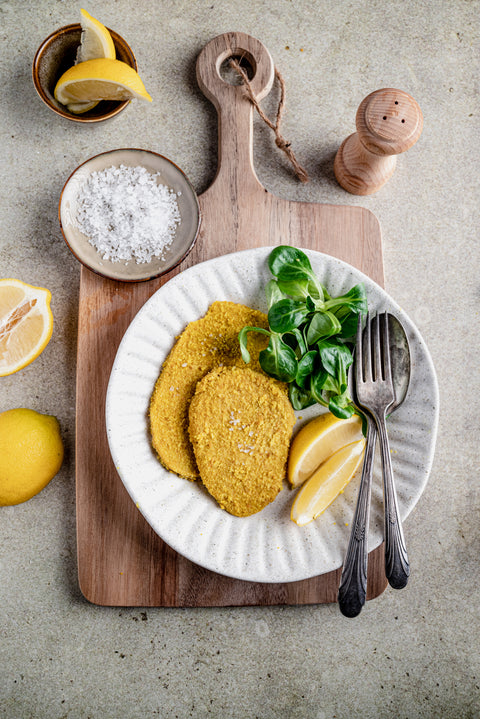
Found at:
(359, 353)
(377, 350)
(387, 363)
(367, 350)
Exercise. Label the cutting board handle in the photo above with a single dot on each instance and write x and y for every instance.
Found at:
(234, 108)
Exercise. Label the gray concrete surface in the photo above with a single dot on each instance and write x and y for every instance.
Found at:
(410, 654)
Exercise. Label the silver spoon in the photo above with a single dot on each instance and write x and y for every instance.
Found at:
(353, 584)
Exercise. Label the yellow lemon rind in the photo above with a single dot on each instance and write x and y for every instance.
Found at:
(23, 474)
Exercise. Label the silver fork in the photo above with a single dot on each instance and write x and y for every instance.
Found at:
(352, 591)
(375, 393)
(353, 585)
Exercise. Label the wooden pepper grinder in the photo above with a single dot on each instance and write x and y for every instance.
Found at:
(388, 122)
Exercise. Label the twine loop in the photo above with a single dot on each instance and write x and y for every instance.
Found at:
(280, 141)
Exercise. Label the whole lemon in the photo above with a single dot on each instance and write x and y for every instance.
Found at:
(31, 453)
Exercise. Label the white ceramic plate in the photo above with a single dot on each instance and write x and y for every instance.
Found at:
(268, 546)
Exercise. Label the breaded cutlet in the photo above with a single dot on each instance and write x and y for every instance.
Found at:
(240, 427)
(209, 342)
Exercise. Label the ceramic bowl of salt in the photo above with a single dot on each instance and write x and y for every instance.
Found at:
(129, 214)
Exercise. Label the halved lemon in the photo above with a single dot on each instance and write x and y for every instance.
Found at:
(101, 79)
(326, 483)
(26, 324)
(318, 440)
(96, 41)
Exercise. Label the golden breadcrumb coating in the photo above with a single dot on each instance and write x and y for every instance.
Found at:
(209, 342)
(241, 423)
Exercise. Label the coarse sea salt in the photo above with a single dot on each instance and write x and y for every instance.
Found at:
(127, 215)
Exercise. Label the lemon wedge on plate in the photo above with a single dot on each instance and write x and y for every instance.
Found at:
(100, 79)
(326, 483)
(26, 324)
(316, 441)
(96, 41)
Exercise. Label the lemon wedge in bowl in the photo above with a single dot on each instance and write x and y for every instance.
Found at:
(26, 324)
(326, 483)
(100, 79)
(78, 108)
(317, 441)
(96, 41)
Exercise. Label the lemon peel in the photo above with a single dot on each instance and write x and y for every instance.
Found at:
(31, 453)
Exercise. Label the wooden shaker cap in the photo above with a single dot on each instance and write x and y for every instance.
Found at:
(388, 122)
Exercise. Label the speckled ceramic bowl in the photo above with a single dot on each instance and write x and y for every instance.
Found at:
(56, 54)
(169, 175)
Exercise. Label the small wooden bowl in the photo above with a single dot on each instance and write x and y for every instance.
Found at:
(56, 54)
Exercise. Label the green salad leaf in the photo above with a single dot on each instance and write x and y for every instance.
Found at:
(311, 334)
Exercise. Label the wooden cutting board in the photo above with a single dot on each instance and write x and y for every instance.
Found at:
(121, 561)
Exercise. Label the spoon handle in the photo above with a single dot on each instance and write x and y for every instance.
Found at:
(353, 584)
(397, 568)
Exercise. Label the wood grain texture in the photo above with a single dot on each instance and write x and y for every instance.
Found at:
(121, 561)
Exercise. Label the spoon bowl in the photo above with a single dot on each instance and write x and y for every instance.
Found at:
(400, 360)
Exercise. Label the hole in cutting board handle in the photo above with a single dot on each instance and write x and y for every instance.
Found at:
(229, 75)
(221, 49)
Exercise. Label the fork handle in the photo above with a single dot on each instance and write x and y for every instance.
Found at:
(353, 584)
(397, 568)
